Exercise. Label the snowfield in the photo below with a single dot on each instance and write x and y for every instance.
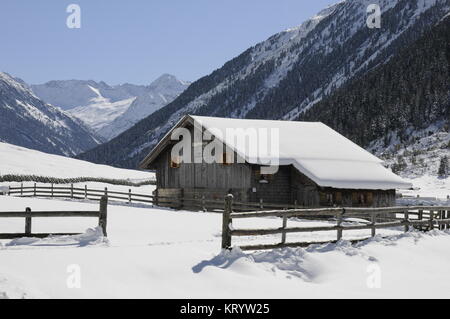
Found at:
(23, 161)
(152, 252)
(160, 253)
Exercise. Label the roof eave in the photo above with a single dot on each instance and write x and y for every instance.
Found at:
(162, 144)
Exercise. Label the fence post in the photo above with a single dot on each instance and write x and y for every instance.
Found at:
(52, 190)
(71, 191)
(28, 221)
(129, 196)
(406, 220)
(155, 198)
(431, 220)
(21, 189)
(283, 234)
(34, 189)
(226, 222)
(339, 222)
(448, 217)
(85, 191)
(103, 214)
(203, 203)
(443, 213)
(373, 222)
(447, 226)
(261, 206)
(106, 192)
(420, 218)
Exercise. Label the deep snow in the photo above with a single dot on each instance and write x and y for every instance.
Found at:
(23, 161)
(159, 253)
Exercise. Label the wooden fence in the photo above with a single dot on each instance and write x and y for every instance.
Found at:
(421, 217)
(73, 192)
(28, 214)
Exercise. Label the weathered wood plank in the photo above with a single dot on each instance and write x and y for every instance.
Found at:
(50, 214)
(39, 235)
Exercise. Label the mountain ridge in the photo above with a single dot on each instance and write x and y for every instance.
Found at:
(27, 121)
(110, 110)
(291, 71)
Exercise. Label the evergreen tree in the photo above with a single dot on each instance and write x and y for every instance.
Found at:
(443, 167)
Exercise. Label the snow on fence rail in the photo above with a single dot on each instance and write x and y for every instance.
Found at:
(425, 218)
(28, 214)
(57, 180)
(72, 192)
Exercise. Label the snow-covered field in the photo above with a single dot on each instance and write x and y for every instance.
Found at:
(429, 186)
(159, 253)
(431, 190)
(153, 252)
(23, 161)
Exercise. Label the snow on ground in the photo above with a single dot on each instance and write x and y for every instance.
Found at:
(160, 253)
(432, 190)
(429, 186)
(23, 161)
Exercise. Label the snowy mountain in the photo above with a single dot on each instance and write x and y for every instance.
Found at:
(162, 91)
(110, 110)
(100, 111)
(418, 155)
(27, 121)
(401, 110)
(68, 94)
(288, 73)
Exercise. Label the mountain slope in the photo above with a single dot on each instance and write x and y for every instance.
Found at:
(110, 110)
(158, 94)
(68, 94)
(286, 74)
(100, 111)
(27, 121)
(23, 161)
(400, 111)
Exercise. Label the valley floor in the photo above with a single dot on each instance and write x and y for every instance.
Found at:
(158, 253)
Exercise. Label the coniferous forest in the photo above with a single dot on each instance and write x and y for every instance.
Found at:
(412, 90)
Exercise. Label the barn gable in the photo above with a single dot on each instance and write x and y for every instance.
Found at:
(321, 154)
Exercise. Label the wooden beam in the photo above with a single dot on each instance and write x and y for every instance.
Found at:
(226, 222)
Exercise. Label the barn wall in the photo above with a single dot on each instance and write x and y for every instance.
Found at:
(329, 197)
(276, 190)
(304, 191)
(201, 175)
(308, 194)
(287, 186)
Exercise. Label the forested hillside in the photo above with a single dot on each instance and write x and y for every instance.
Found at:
(289, 73)
(412, 89)
(400, 111)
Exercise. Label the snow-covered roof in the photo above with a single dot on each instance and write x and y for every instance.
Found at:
(316, 150)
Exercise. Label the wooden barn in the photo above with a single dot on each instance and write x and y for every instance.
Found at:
(317, 167)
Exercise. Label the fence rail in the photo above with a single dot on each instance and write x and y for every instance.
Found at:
(421, 217)
(73, 192)
(28, 214)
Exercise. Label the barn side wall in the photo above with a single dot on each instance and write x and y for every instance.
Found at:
(201, 175)
(274, 188)
(245, 182)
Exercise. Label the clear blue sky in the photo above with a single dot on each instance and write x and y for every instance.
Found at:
(135, 41)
